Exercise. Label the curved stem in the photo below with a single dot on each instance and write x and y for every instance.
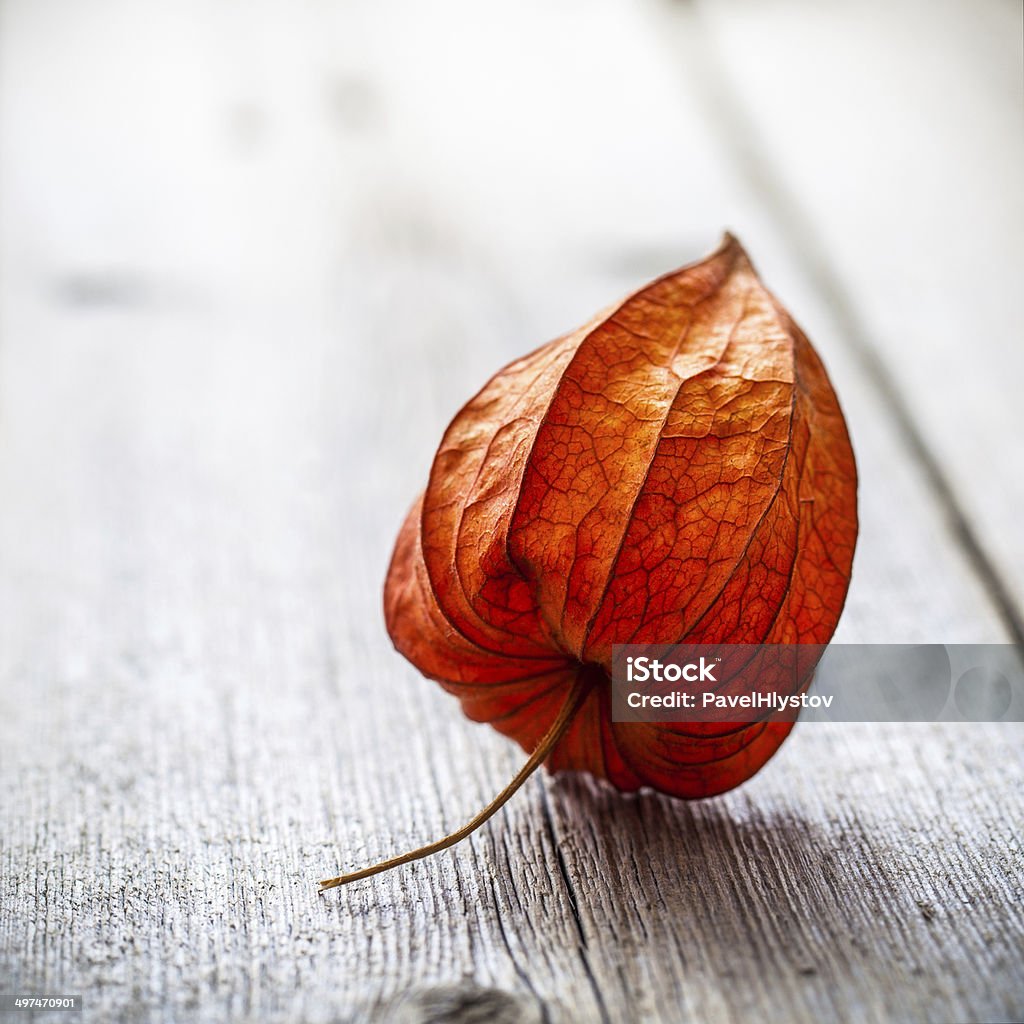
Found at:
(580, 689)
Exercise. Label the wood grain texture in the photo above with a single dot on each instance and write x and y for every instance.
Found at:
(894, 179)
(249, 266)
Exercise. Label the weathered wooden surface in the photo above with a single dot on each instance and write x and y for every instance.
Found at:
(252, 260)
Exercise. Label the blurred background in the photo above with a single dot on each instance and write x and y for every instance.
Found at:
(253, 257)
(218, 217)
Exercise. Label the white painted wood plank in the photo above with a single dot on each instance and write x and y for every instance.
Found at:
(238, 302)
(894, 129)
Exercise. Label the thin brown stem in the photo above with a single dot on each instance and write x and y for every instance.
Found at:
(581, 687)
